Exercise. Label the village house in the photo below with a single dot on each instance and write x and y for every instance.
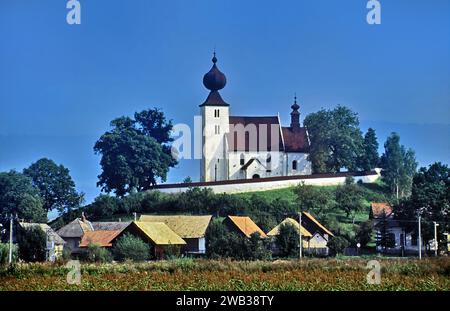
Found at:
(162, 240)
(54, 243)
(192, 229)
(318, 242)
(73, 232)
(306, 235)
(243, 225)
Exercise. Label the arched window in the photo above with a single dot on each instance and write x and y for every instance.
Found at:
(268, 158)
(242, 161)
(294, 165)
(256, 176)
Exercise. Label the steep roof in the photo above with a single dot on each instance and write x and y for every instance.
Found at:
(102, 238)
(75, 229)
(295, 139)
(159, 233)
(185, 226)
(377, 209)
(275, 231)
(46, 228)
(317, 223)
(110, 226)
(246, 225)
(261, 137)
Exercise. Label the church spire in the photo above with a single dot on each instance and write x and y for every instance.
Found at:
(214, 80)
(295, 114)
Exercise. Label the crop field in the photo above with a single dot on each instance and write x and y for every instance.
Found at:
(191, 275)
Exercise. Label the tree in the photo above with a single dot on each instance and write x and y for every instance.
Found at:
(430, 198)
(287, 240)
(32, 244)
(385, 238)
(19, 197)
(369, 158)
(364, 235)
(257, 248)
(349, 198)
(56, 186)
(131, 247)
(135, 153)
(314, 199)
(337, 244)
(399, 166)
(96, 253)
(336, 140)
(217, 240)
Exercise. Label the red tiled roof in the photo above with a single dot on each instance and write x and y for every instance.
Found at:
(101, 238)
(377, 209)
(240, 140)
(295, 139)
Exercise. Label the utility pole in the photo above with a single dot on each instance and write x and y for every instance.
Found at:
(10, 237)
(300, 234)
(420, 239)
(435, 239)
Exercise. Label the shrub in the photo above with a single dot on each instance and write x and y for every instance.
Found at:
(4, 253)
(131, 247)
(96, 253)
(287, 240)
(32, 244)
(337, 244)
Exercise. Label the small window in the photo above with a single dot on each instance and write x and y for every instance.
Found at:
(216, 113)
(242, 161)
(294, 165)
(268, 158)
(217, 129)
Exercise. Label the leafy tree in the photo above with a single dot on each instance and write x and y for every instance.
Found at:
(399, 166)
(364, 234)
(336, 140)
(217, 239)
(19, 197)
(257, 248)
(103, 206)
(135, 153)
(55, 185)
(337, 244)
(131, 247)
(369, 158)
(314, 199)
(349, 198)
(187, 180)
(96, 253)
(287, 241)
(32, 244)
(197, 201)
(430, 197)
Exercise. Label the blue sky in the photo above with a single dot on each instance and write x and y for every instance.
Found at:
(60, 84)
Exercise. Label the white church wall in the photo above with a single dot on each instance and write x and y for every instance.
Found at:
(261, 185)
(275, 165)
(303, 165)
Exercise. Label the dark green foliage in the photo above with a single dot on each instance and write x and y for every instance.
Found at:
(221, 243)
(103, 206)
(287, 241)
(32, 244)
(336, 140)
(369, 158)
(349, 198)
(19, 197)
(131, 247)
(4, 253)
(385, 237)
(364, 234)
(56, 186)
(314, 199)
(430, 197)
(337, 244)
(96, 253)
(399, 166)
(135, 153)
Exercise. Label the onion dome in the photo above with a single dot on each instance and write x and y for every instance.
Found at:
(295, 114)
(214, 80)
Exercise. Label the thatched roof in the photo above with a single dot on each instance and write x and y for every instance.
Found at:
(110, 226)
(187, 227)
(46, 228)
(309, 217)
(246, 226)
(275, 231)
(159, 233)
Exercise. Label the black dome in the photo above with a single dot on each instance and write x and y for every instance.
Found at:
(214, 80)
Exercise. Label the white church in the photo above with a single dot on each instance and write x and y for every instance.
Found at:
(248, 147)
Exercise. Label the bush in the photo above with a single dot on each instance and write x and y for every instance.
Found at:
(4, 253)
(32, 244)
(131, 247)
(96, 253)
(337, 244)
(287, 240)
